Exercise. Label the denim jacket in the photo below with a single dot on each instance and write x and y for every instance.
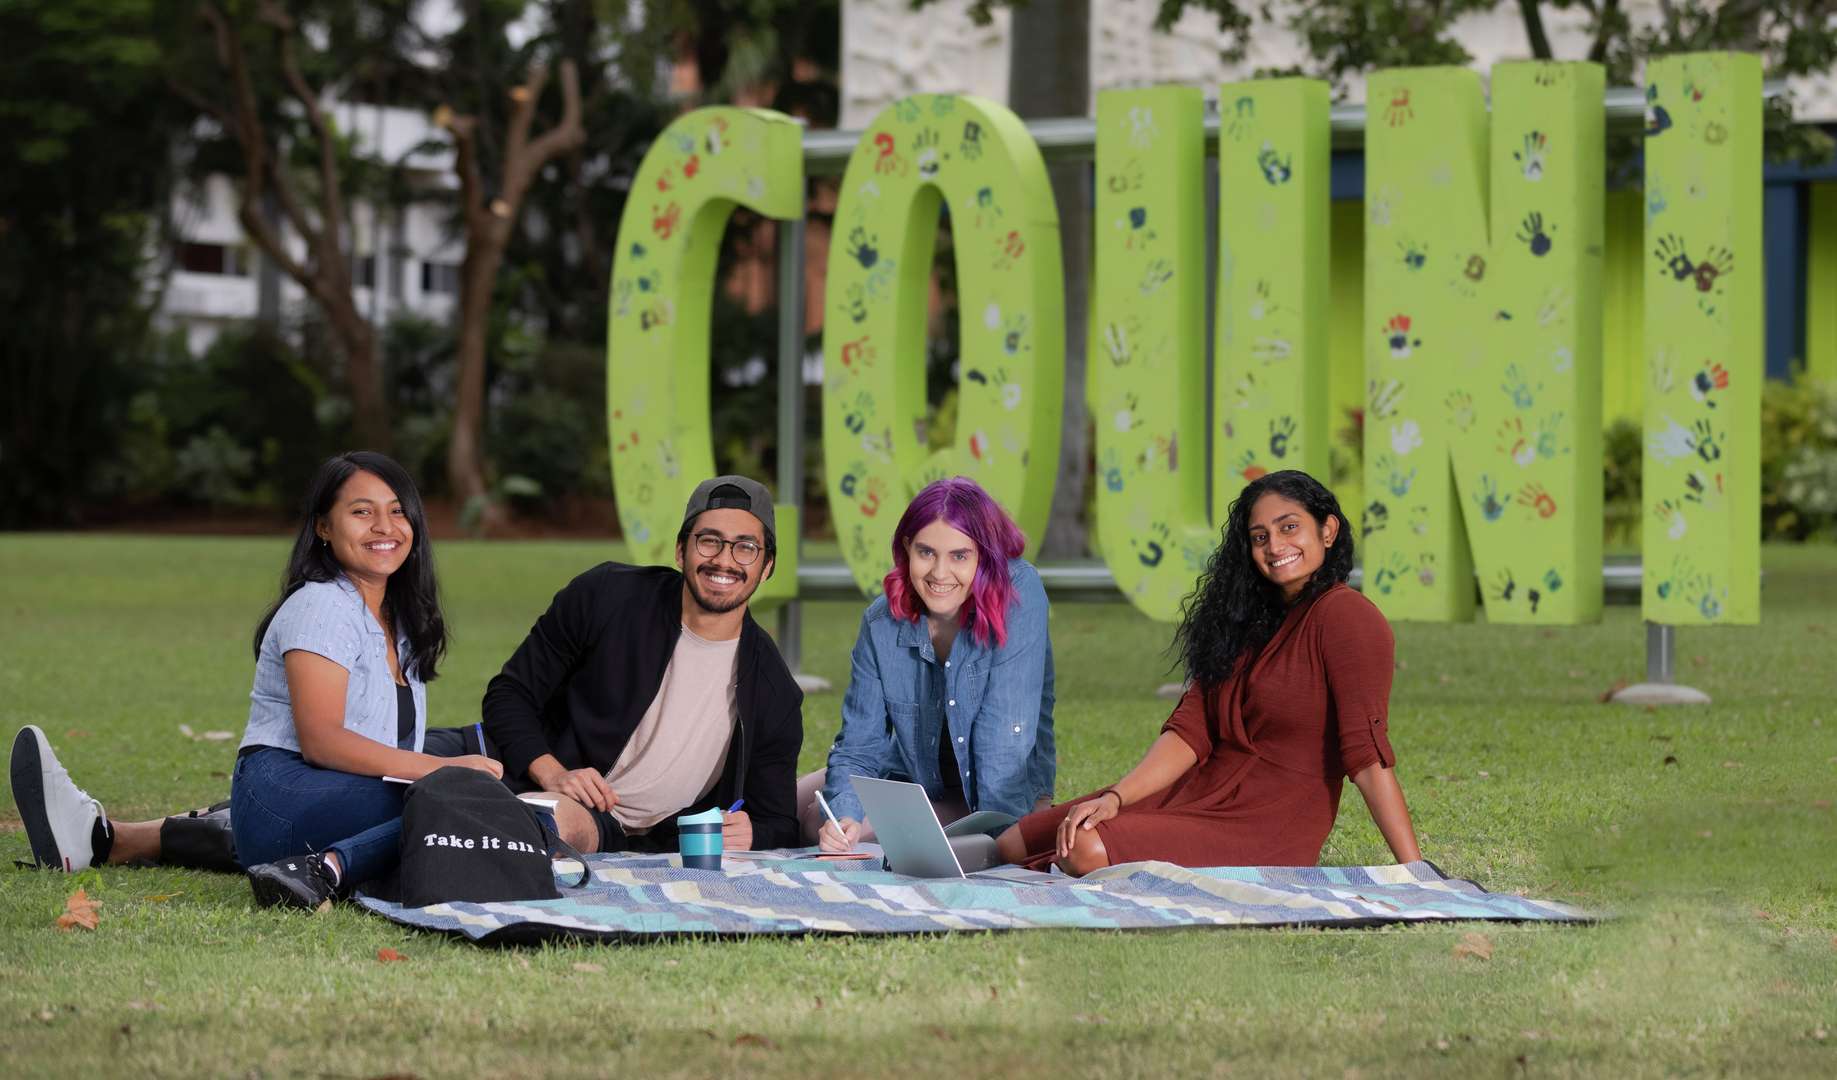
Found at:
(993, 702)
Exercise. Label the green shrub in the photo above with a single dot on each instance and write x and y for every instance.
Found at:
(1799, 460)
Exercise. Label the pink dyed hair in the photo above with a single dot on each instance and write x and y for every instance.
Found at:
(962, 504)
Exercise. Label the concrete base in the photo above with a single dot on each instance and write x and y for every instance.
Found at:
(812, 684)
(1172, 691)
(1653, 693)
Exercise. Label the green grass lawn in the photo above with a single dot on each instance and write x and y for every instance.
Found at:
(1708, 835)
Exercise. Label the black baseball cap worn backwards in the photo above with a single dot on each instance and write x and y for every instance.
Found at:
(733, 493)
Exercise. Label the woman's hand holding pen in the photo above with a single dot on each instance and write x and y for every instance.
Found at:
(838, 837)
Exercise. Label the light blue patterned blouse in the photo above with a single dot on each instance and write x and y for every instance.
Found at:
(329, 618)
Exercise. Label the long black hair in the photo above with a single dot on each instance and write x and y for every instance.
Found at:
(410, 600)
(1235, 610)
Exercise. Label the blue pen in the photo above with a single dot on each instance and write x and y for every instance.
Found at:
(735, 808)
(480, 729)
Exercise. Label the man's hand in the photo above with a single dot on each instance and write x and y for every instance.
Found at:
(736, 832)
(836, 843)
(585, 786)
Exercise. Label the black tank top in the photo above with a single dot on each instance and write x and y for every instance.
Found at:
(405, 716)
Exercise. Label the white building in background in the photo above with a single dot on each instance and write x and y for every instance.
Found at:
(402, 261)
(889, 51)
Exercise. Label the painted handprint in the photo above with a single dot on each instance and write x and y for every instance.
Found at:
(1538, 499)
(1658, 120)
(860, 411)
(1425, 569)
(888, 161)
(1671, 516)
(1550, 436)
(1531, 159)
(1719, 264)
(1491, 506)
(1157, 273)
(1698, 488)
(1377, 516)
(1413, 255)
(1682, 578)
(1383, 399)
(1014, 334)
(1532, 233)
(1673, 442)
(1398, 111)
(859, 353)
(1419, 520)
(1125, 418)
(1248, 467)
(1112, 471)
(1395, 479)
(1517, 388)
(1707, 381)
(1150, 550)
(1514, 444)
(1275, 167)
(1460, 410)
(970, 146)
(1242, 118)
(1396, 332)
(664, 220)
(1271, 350)
(1504, 587)
(1671, 254)
(1406, 437)
(863, 247)
(1281, 430)
(1261, 305)
(1118, 342)
(1141, 124)
(1386, 578)
(926, 145)
(855, 302)
(1703, 440)
(870, 499)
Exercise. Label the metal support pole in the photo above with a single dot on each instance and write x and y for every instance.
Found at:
(791, 419)
(1661, 653)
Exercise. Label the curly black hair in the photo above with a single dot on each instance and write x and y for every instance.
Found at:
(1234, 610)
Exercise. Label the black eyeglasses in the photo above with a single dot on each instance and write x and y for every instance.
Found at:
(746, 552)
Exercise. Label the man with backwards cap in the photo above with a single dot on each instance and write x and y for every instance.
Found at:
(645, 692)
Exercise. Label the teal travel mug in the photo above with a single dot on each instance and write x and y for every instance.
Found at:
(699, 838)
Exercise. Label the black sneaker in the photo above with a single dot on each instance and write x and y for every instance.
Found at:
(67, 829)
(303, 881)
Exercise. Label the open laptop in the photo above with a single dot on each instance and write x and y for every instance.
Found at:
(915, 842)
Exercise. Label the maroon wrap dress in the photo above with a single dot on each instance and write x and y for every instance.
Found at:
(1274, 742)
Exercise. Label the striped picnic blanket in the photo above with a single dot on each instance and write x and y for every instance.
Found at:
(637, 897)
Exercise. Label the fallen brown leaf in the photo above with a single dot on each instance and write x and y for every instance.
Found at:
(1671, 759)
(1478, 946)
(161, 897)
(1731, 764)
(388, 956)
(590, 969)
(79, 910)
(1608, 694)
(940, 1032)
(747, 1038)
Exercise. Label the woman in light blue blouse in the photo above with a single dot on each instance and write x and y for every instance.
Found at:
(951, 682)
(341, 662)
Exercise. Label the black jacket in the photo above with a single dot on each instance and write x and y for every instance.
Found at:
(590, 667)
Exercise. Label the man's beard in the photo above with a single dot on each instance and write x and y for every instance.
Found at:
(713, 606)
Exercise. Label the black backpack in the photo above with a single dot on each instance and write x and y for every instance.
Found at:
(466, 837)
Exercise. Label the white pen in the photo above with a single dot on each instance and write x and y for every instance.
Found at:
(823, 804)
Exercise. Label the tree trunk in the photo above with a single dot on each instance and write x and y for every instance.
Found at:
(1049, 74)
(363, 372)
(465, 460)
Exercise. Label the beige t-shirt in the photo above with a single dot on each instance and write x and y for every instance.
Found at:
(675, 755)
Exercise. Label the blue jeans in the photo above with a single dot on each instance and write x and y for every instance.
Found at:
(280, 806)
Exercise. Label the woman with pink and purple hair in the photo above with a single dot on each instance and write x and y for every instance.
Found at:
(950, 681)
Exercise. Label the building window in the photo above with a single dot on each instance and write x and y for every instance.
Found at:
(214, 259)
(363, 271)
(440, 278)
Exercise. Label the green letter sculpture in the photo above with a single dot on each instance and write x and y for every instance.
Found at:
(977, 158)
(1483, 358)
(701, 167)
(1701, 542)
(1147, 378)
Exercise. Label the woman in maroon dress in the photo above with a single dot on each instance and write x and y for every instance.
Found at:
(1289, 678)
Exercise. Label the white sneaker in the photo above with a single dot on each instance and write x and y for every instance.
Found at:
(61, 820)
